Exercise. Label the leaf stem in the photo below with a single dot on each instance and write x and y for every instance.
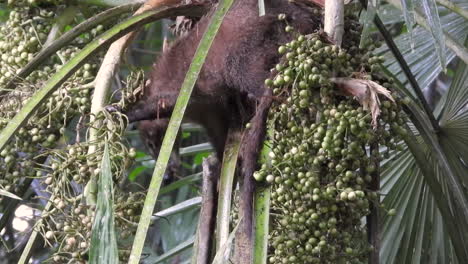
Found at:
(373, 220)
(454, 8)
(334, 20)
(262, 221)
(103, 82)
(443, 205)
(225, 187)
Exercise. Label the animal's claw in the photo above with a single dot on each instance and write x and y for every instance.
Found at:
(113, 108)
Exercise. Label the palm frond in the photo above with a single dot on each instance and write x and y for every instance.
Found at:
(454, 122)
(420, 229)
(457, 98)
(103, 239)
(417, 233)
(422, 58)
(432, 17)
(408, 13)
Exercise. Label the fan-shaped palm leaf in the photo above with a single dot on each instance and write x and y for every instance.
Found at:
(419, 228)
(422, 58)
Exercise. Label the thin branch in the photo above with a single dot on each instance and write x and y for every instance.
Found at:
(404, 66)
(64, 19)
(373, 224)
(454, 8)
(225, 187)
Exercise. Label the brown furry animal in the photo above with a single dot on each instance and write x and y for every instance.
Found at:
(232, 79)
(230, 89)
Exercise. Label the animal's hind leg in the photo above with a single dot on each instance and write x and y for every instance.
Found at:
(250, 149)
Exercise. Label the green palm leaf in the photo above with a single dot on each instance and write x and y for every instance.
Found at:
(103, 241)
(422, 58)
(417, 233)
(457, 97)
(408, 12)
(419, 229)
(432, 17)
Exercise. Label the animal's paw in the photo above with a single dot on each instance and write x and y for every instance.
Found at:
(113, 108)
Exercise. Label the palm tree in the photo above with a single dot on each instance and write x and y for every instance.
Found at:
(424, 182)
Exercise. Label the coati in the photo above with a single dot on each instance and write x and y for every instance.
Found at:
(230, 89)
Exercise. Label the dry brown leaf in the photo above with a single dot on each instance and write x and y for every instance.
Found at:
(366, 92)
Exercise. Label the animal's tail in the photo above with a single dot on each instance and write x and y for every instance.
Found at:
(252, 142)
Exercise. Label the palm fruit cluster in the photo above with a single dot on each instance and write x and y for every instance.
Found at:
(69, 223)
(21, 37)
(34, 2)
(320, 159)
(40, 149)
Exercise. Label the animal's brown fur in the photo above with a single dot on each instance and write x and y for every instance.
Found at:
(231, 81)
(230, 88)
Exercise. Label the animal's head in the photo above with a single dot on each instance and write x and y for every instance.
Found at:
(152, 133)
